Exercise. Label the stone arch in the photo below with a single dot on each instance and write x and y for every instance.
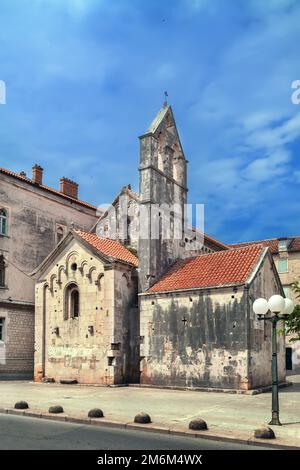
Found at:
(71, 301)
(82, 267)
(178, 165)
(99, 282)
(89, 275)
(53, 277)
(61, 271)
(160, 151)
(72, 254)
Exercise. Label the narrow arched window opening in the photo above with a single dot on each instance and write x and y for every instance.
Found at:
(75, 303)
(2, 271)
(59, 234)
(3, 222)
(72, 302)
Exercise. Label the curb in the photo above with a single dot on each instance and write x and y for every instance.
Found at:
(154, 428)
(254, 391)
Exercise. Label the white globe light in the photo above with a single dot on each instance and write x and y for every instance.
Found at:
(276, 304)
(289, 307)
(260, 306)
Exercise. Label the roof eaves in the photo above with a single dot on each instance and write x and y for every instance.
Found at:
(46, 188)
(190, 289)
(257, 266)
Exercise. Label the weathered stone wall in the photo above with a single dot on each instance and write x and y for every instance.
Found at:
(163, 181)
(126, 326)
(195, 339)
(76, 352)
(33, 218)
(287, 278)
(16, 350)
(209, 338)
(265, 284)
(121, 220)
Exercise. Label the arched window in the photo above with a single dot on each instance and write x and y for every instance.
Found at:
(59, 234)
(2, 271)
(72, 302)
(3, 222)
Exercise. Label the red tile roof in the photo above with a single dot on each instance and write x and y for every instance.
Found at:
(109, 247)
(46, 188)
(272, 244)
(210, 239)
(222, 268)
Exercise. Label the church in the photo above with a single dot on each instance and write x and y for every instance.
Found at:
(126, 303)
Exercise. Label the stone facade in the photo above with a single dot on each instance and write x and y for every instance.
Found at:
(99, 344)
(288, 277)
(286, 255)
(163, 183)
(209, 337)
(98, 322)
(36, 219)
(17, 344)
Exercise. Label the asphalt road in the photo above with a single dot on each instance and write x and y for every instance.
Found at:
(23, 433)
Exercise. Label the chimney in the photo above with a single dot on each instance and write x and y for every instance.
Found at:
(69, 187)
(37, 174)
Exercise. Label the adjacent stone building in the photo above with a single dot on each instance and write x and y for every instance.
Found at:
(286, 255)
(33, 219)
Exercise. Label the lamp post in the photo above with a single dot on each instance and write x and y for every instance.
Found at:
(279, 308)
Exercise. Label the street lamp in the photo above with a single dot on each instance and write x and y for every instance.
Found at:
(280, 308)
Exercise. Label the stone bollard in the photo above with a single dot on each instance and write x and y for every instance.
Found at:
(95, 413)
(264, 433)
(56, 409)
(198, 424)
(142, 418)
(21, 405)
(68, 381)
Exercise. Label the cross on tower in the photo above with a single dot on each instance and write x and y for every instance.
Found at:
(166, 98)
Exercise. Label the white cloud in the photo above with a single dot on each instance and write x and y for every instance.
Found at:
(274, 137)
(265, 169)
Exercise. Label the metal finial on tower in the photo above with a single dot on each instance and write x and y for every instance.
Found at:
(166, 96)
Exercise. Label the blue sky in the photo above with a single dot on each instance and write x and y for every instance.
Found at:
(85, 77)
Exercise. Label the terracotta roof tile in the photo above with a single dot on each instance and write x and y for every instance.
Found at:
(215, 269)
(109, 247)
(272, 244)
(46, 188)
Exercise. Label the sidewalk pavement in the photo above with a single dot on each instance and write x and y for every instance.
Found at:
(232, 417)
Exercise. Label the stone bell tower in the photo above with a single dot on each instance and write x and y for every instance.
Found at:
(163, 195)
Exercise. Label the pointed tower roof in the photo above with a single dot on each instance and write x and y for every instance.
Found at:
(159, 118)
(164, 114)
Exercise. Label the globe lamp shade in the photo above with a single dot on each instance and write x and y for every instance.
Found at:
(289, 307)
(260, 306)
(276, 304)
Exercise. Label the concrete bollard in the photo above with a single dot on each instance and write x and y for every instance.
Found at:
(142, 418)
(264, 433)
(56, 409)
(198, 424)
(21, 405)
(95, 413)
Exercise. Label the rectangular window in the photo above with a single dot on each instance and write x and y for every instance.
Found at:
(283, 265)
(286, 291)
(2, 329)
(3, 221)
(282, 245)
(2, 271)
